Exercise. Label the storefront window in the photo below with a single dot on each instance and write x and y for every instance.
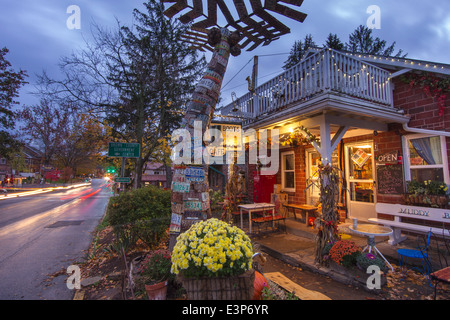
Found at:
(288, 171)
(361, 191)
(360, 165)
(426, 157)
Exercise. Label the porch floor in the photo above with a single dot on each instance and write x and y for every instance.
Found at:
(296, 246)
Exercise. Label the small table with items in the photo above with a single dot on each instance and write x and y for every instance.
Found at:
(254, 207)
(305, 210)
(371, 231)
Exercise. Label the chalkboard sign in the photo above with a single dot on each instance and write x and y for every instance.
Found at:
(390, 179)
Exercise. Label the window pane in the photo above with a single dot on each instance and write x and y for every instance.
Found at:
(289, 162)
(425, 151)
(361, 162)
(289, 180)
(421, 175)
(360, 191)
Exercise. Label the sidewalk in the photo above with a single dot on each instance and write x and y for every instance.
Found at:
(296, 247)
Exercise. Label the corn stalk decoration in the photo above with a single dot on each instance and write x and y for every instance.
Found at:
(250, 29)
(329, 184)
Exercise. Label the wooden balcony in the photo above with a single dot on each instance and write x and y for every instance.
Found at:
(327, 73)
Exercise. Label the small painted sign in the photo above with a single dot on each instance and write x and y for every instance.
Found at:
(195, 174)
(360, 157)
(193, 205)
(175, 223)
(180, 186)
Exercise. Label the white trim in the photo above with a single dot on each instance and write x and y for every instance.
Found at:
(283, 171)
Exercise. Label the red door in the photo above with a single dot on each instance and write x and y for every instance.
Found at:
(263, 187)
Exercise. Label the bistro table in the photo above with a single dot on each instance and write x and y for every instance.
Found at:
(371, 231)
(442, 275)
(305, 209)
(254, 207)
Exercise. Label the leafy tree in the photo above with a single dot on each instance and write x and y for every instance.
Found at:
(136, 79)
(10, 83)
(298, 50)
(362, 41)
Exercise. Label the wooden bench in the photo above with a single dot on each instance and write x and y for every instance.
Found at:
(400, 211)
(305, 210)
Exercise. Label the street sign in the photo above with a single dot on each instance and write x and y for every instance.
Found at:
(124, 150)
(122, 180)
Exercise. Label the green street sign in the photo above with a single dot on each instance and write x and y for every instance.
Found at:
(122, 180)
(124, 150)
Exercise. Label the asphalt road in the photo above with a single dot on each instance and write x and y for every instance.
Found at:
(42, 235)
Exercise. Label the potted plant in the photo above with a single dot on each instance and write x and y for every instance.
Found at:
(155, 272)
(213, 261)
(428, 193)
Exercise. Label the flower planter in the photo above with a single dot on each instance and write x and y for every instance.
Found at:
(239, 287)
(157, 291)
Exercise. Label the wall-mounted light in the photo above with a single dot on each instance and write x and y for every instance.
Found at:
(375, 133)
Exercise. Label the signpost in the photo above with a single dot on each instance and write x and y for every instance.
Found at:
(123, 150)
(123, 180)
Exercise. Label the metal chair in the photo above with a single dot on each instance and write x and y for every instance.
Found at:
(420, 253)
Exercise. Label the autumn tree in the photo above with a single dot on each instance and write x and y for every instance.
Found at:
(10, 83)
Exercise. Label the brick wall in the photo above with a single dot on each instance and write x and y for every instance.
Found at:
(423, 110)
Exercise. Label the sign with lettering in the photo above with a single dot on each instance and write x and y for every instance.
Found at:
(196, 174)
(434, 214)
(390, 157)
(125, 150)
(390, 179)
(175, 223)
(180, 186)
(193, 205)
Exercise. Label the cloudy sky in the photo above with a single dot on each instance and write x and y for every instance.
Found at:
(36, 33)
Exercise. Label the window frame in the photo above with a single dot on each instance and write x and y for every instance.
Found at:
(406, 160)
(283, 171)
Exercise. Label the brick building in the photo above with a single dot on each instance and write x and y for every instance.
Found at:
(382, 121)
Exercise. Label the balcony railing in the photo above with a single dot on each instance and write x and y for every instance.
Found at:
(327, 71)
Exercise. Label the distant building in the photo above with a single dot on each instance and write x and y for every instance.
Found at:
(155, 174)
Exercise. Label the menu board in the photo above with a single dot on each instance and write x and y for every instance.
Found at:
(390, 179)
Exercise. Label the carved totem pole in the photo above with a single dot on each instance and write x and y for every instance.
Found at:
(190, 200)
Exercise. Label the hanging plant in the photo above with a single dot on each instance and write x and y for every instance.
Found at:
(433, 87)
(299, 135)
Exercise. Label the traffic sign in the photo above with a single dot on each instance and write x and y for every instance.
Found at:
(122, 180)
(124, 150)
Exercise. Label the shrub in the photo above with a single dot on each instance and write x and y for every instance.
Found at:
(364, 260)
(344, 252)
(145, 213)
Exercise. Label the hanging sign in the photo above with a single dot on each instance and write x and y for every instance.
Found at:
(360, 157)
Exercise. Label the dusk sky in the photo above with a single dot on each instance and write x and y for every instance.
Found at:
(37, 36)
